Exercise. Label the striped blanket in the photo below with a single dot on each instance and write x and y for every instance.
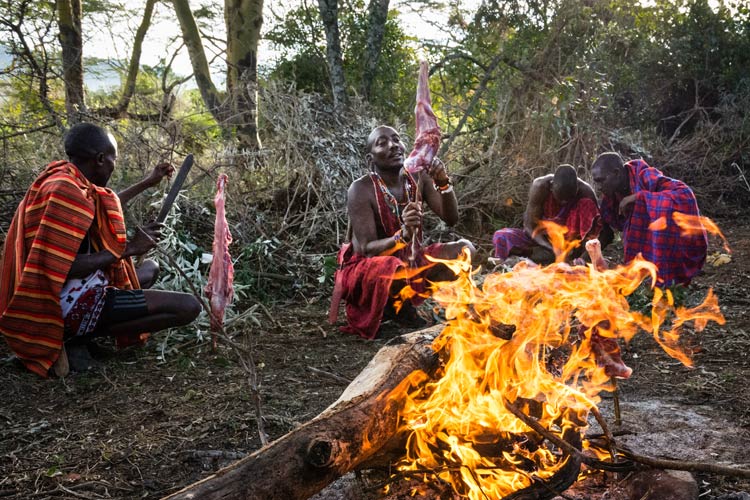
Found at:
(59, 208)
(651, 229)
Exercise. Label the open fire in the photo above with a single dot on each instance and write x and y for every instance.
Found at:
(527, 340)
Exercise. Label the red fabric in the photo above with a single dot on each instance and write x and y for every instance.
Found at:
(582, 218)
(364, 283)
(650, 228)
(86, 312)
(58, 210)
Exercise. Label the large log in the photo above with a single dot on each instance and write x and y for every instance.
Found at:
(346, 434)
(358, 431)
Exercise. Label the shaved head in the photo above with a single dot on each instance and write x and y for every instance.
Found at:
(609, 174)
(608, 162)
(565, 183)
(85, 140)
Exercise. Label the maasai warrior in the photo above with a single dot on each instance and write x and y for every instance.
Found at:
(384, 217)
(67, 274)
(640, 201)
(562, 198)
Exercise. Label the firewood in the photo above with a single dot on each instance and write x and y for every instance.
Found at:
(345, 435)
(358, 431)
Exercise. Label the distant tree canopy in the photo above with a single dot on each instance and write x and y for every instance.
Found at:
(518, 85)
(301, 39)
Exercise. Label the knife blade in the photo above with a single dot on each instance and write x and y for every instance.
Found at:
(179, 180)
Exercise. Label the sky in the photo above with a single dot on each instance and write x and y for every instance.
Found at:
(112, 39)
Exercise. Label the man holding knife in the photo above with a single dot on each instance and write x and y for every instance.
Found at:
(67, 275)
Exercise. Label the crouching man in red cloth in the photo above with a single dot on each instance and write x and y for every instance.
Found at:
(385, 217)
(562, 198)
(66, 270)
(646, 205)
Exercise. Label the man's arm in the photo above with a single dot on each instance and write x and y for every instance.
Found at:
(443, 203)
(144, 240)
(157, 174)
(535, 211)
(362, 216)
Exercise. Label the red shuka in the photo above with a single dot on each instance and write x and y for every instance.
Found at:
(59, 208)
(364, 283)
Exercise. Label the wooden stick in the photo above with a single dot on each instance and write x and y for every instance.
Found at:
(656, 463)
(607, 434)
(245, 356)
(414, 244)
(616, 395)
(563, 444)
(662, 463)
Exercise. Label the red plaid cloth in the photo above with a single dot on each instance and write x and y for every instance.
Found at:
(650, 229)
(581, 218)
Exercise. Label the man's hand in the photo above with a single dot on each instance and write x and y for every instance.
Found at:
(626, 205)
(412, 219)
(437, 171)
(145, 239)
(158, 173)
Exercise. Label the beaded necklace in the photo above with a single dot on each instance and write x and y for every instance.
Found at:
(388, 196)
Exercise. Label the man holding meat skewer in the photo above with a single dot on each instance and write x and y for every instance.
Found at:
(66, 272)
(385, 213)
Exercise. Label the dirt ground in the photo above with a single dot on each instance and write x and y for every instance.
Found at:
(143, 428)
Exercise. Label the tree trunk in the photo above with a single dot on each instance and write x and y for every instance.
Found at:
(244, 19)
(329, 14)
(71, 43)
(192, 37)
(345, 435)
(377, 17)
(135, 59)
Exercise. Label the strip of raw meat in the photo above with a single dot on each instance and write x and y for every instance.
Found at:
(427, 140)
(220, 288)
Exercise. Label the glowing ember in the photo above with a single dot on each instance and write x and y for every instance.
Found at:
(525, 337)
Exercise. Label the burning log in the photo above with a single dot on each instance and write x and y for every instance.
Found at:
(359, 431)
(346, 434)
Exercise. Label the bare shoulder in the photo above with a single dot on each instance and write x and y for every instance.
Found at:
(360, 192)
(541, 185)
(585, 190)
(360, 187)
(543, 181)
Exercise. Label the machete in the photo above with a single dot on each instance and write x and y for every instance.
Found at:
(175, 189)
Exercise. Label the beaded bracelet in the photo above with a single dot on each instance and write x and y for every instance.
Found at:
(447, 187)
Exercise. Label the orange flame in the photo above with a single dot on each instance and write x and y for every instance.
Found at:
(556, 234)
(525, 337)
(658, 225)
(697, 224)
